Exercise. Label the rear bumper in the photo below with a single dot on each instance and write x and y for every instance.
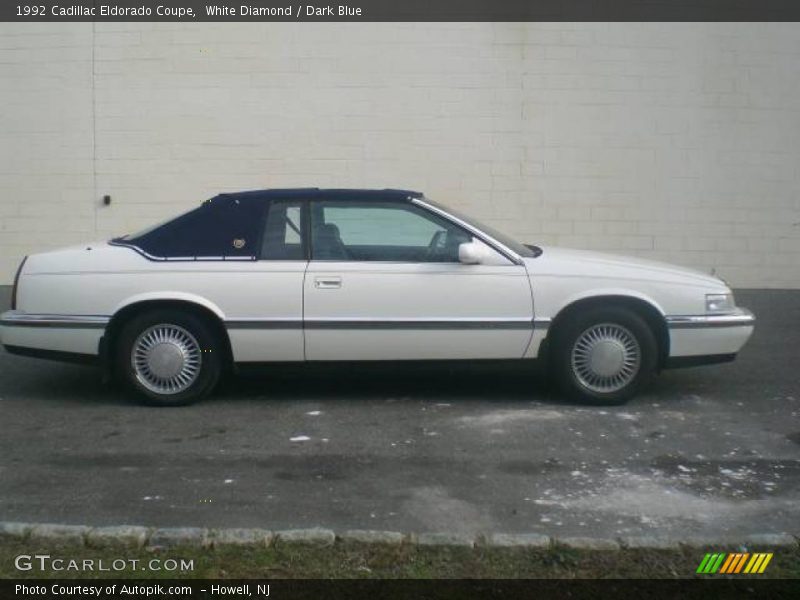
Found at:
(51, 334)
(709, 338)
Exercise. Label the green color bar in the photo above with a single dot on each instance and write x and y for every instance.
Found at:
(718, 564)
(711, 562)
(701, 568)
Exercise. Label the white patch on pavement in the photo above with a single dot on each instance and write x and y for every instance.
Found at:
(299, 438)
(502, 417)
(436, 510)
(627, 416)
(624, 494)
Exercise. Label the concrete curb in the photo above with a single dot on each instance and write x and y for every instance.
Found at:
(516, 540)
(360, 536)
(134, 537)
(193, 537)
(242, 537)
(646, 542)
(121, 536)
(53, 532)
(587, 543)
(444, 539)
(316, 536)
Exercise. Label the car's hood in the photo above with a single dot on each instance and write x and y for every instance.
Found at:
(586, 263)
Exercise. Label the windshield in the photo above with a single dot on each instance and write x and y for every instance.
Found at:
(501, 237)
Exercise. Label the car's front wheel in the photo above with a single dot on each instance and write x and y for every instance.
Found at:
(169, 357)
(604, 355)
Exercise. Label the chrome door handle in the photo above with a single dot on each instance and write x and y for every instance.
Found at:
(327, 283)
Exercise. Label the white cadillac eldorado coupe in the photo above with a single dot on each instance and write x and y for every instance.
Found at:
(322, 275)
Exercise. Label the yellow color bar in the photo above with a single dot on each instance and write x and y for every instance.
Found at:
(765, 563)
(752, 566)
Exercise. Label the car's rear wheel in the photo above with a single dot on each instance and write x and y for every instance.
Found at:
(604, 355)
(170, 358)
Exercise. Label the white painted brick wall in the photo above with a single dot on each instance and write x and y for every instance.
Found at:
(678, 142)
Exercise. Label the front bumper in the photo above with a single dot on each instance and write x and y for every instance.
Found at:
(741, 317)
(710, 335)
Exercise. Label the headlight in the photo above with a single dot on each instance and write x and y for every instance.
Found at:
(719, 303)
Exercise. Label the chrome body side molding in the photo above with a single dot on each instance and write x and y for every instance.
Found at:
(364, 323)
(20, 319)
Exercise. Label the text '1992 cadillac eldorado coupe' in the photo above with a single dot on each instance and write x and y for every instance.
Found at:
(358, 275)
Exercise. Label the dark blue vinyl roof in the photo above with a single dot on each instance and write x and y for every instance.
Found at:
(208, 230)
(324, 194)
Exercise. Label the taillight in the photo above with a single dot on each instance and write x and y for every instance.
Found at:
(16, 283)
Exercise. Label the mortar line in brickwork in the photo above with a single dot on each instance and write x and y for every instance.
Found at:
(95, 199)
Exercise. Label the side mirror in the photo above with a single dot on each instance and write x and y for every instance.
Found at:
(469, 253)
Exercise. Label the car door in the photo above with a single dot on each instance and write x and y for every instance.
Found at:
(264, 308)
(384, 283)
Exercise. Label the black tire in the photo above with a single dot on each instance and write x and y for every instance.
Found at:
(569, 376)
(210, 364)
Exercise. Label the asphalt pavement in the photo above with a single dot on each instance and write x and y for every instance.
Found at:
(710, 451)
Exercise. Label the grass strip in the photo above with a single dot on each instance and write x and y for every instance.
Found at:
(352, 560)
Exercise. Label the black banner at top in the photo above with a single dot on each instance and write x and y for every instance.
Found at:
(399, 10)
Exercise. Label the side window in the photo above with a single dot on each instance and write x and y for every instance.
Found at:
(392, 232)
(283, 239)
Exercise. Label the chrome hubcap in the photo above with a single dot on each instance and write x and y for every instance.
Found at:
(606, 357)
(166, 359)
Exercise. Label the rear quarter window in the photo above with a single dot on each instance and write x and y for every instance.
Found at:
(220, 228)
